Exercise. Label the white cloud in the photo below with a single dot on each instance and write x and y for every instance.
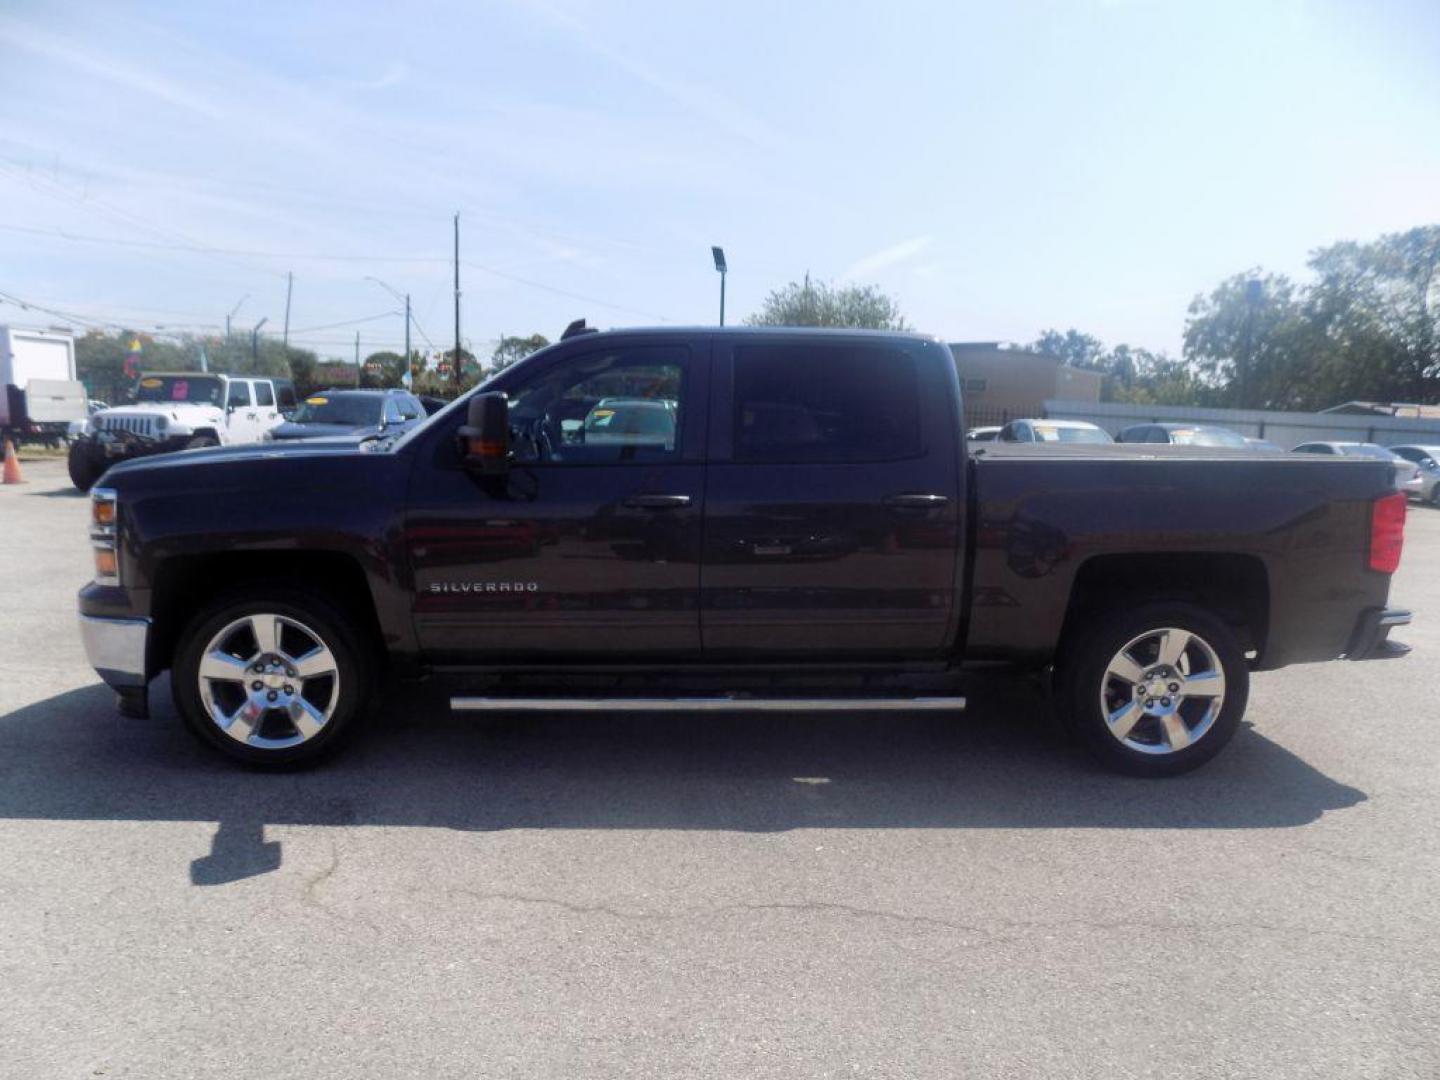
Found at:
(887, 257)
(36, 41)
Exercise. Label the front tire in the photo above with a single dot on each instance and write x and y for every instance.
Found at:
(1156, 690)
(272, 677)
(83, 468)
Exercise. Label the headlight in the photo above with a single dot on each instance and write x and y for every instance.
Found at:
(104, 535)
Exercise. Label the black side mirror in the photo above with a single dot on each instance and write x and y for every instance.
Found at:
(485, 437)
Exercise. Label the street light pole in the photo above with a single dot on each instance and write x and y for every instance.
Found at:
(233, 310)
(719, 255)
(255, 340)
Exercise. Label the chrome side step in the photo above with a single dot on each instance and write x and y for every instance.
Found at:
(706, 704)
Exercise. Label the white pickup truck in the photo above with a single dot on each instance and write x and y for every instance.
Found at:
(179, 411)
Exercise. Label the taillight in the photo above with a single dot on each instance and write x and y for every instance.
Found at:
(1387, 532)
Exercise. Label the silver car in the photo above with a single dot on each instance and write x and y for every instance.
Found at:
(1407, 473)
(1427, 460)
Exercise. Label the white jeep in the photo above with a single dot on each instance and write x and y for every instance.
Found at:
(179, 410)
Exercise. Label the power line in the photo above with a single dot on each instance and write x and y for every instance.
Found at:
(346, 322)
(565, 292)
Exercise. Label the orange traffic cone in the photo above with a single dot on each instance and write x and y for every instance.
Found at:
(12, 465)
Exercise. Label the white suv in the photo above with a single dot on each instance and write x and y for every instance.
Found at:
(179, 410)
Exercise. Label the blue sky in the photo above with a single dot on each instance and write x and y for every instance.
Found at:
(999, 168)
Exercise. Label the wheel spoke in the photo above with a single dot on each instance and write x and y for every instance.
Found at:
(220, 665)
(266, 629)
(1176, 733)
(306, 717)
(242, 724)
(1124, 719)
(1207, 684)
(1172, 647)
(318, 661)
(1123, 667)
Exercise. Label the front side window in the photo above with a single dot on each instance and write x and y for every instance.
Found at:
(239, 394)
(807, 403)
(607, 408)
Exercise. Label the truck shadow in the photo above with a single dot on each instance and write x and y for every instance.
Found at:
(71, 758)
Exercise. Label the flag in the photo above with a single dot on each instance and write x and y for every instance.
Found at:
(132, 360)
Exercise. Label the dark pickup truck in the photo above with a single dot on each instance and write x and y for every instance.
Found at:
(714, 520)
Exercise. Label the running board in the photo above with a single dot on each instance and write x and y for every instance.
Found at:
(706, 704)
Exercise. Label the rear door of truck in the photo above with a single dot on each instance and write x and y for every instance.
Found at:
(834, 501)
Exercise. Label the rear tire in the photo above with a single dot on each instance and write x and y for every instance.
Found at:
(1155, 690)
(200, 442)
(84, 469)
(272, 675)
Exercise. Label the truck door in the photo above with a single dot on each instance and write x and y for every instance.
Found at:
(590, 545)
(240, 421)
(267, 412)
(832, 501)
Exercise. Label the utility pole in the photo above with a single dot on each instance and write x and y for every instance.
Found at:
(357, 358)
(405, 371)
(289, 287)
(232, 314)
(457, 301)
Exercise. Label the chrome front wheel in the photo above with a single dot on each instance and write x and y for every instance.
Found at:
(268, 681)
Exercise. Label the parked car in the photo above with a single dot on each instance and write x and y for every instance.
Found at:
(174, 410)
(1407, 474)
(362, 414)
(982, 434)
(1183, 435)
(804, 541)
(1427, 460)
(1053, 431)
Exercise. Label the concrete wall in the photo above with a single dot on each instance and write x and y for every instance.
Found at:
(1285, 429)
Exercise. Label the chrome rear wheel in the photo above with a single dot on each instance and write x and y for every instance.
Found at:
(1162, 691)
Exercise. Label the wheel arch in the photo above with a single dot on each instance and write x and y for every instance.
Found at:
(184, 584)
(1234, 587)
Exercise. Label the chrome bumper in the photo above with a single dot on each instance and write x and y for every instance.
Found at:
(116, 648)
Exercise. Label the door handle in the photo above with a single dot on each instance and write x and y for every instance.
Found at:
(657, 502)
(913, 500)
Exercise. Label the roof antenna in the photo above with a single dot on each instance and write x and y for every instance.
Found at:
(576, 328)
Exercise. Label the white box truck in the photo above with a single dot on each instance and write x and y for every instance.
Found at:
(40, 392)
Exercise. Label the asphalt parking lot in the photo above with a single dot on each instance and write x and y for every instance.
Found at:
(762, 897)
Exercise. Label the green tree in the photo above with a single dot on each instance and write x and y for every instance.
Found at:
(383, 369)
(1375, 308)
(1251, 338)
(818, 303)
(1128, 373)
(511, 349)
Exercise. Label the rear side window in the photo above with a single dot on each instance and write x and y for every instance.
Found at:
(287, 395)
(263, 394)
(818, 404)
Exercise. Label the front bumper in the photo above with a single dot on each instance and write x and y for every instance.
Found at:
(1371, 638)
(116, 649)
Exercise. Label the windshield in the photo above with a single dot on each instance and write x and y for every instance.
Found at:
(1207, 437)
(338, 409)
(201, 389)
(1050, 433)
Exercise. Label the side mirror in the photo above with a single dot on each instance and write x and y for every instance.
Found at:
(485, 437)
